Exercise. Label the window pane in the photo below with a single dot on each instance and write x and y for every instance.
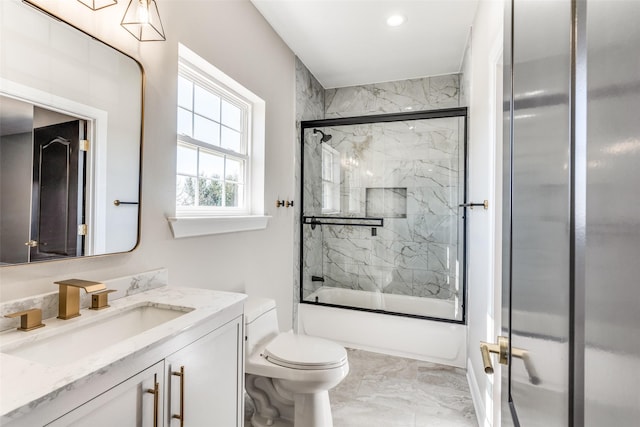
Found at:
(327, 196)
(233, 195)
(206, 104)
(327, 160)
(185, 93)
(184, 122)
(231, 115)
(230, 139)
(187, 163)
(185, 191)
(210, 192)
(206, 130)
(211, 166)
(234, 170)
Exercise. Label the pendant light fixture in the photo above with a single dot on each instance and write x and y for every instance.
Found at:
(98, 4)
(142, 20)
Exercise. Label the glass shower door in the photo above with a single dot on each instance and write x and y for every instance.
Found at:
(381, 226)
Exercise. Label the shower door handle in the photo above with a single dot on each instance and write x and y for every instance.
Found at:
(484, 204)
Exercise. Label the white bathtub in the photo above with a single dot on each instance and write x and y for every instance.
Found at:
(429, 340)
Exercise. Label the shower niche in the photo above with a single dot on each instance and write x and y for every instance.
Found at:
(386, 202)
(381, 226)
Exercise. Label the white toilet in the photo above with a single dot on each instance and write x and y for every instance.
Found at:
(288, 376)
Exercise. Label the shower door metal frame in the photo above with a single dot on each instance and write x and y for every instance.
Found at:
(386, 118)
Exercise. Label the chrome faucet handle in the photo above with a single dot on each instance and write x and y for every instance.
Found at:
(69, 296)
(29, 319)
(100, 300)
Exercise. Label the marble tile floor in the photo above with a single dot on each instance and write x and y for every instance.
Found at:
(389, 391)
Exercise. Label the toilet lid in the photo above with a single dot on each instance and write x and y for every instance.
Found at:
(304, 352)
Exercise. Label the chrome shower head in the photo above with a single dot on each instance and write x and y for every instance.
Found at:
(324, 137)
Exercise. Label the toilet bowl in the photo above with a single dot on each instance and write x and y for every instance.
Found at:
(288, 376)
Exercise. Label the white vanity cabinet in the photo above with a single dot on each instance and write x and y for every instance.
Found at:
(204, 380)
(201, 385)
(135, 402)
(198, 373)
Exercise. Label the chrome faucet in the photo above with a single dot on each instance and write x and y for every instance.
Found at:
(69, 296)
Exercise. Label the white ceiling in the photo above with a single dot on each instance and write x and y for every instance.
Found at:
(347, 42)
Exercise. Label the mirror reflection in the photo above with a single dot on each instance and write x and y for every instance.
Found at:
(70, 136)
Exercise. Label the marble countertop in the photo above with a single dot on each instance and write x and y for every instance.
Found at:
(24, 384)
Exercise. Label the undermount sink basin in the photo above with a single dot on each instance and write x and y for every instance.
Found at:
(94, 335)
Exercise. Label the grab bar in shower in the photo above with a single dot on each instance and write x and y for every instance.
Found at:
(343, 220)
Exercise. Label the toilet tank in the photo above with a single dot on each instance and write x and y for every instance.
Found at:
(260, 322)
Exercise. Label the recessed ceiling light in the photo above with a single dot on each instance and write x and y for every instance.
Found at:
(396, 20)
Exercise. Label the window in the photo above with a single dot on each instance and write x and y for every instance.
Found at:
(220, 152)
(213, 146)
(330, 180)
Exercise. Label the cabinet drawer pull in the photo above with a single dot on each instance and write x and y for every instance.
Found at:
(181, 416)
(156, 393)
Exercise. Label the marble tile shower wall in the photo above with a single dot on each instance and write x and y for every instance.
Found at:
(428, 93)
(309, 106)
(414, 253)
(313, 237)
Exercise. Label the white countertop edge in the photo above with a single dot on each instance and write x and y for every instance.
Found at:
(203, 226)
(24, 384)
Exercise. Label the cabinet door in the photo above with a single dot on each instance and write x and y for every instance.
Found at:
(204, 380)
(134, 402)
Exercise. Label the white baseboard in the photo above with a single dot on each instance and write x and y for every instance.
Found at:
(476, 396)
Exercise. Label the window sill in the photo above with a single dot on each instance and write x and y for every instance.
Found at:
(204, 226)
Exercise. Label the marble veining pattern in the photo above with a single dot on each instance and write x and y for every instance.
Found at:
(48, 303)
(414, 253)
(389, 391)
(309, 106)
(427, 93)
(407, 172)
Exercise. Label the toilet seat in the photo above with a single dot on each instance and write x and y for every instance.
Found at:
(304, 352)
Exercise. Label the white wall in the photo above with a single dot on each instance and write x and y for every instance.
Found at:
(234, 37)
(486, 42)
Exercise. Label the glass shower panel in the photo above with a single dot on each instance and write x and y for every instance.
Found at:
(381, 227)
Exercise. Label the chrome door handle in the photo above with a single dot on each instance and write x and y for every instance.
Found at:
(502, 350)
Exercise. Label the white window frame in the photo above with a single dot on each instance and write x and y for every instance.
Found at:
(197, 221)
(331, 179)
(197, 77)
